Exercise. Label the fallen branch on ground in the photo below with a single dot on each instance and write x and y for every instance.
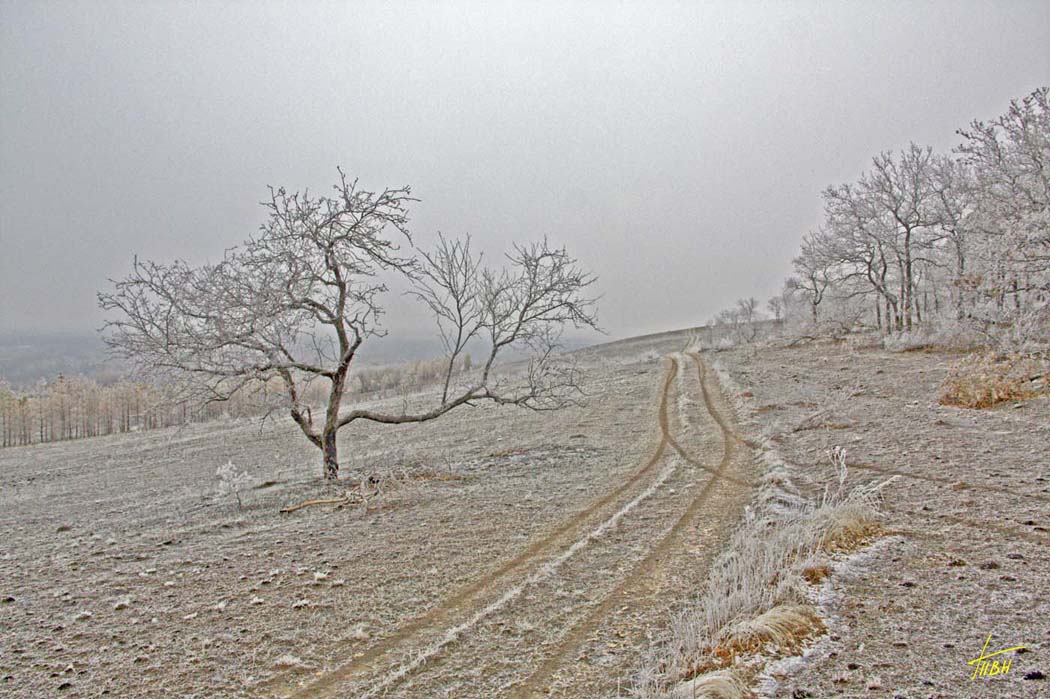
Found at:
(800, 340)
(355, 494)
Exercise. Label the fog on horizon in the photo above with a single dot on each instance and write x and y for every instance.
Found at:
(677, 150)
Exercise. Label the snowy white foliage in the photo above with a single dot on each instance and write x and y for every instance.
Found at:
(933, 248)
(293, 305)
(232, 481)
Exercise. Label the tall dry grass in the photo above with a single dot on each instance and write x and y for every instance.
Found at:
(755, 598)
(986, 379)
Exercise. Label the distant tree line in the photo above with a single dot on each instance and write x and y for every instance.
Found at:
(75, 407)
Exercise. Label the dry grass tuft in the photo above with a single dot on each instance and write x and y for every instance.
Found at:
(815, 575)
(782, 628)
(716, 685)
(985, 380)
(851, 528)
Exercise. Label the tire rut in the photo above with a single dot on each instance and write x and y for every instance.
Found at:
(631, 589)
(467, 599)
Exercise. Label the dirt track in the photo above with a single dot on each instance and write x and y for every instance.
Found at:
(461, 602)
(628, 558)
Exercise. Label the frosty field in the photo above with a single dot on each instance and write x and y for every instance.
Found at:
(516, 554)
(323, 374)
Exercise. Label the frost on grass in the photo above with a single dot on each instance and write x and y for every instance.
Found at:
(289, 662)
(232, 481)
(715, 685)
(755, 603)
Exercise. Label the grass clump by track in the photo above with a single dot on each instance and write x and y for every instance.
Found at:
(755, 605)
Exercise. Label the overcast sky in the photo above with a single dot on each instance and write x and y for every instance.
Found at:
(677, 150)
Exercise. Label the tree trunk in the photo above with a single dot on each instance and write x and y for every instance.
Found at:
(331, 456)
(331, 422)
(909, 288)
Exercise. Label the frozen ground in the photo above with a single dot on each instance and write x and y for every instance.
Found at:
(517, 554)
(969, 520)
(511, 550)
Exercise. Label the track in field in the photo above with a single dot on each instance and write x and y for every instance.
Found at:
(632, 589)
(468, 607)
(466, 602)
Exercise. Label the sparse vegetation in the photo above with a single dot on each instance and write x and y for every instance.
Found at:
(987, 379)
(232, 481)
(755, 600)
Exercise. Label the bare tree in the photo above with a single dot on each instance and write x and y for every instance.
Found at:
(860, 242)
(903, 188)
(298, 300)
(1008, 161)
(775, 304)
(954, 187)
(812, 267)
(958, 244)
(747, 310)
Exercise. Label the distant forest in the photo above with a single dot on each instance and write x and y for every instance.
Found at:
(63, 386)
(27, 359)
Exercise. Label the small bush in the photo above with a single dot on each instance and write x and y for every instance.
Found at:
(715, 685)
(816, 574)
(984, 380)
(232, 481)
(907, 341)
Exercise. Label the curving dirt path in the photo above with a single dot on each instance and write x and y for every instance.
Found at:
(636, 587)
(618, 560)
(326, 685)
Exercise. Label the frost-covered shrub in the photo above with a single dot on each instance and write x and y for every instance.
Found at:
(232, 481)
(906, 341)
(725, 343)
(956, 336)
(1027, 331)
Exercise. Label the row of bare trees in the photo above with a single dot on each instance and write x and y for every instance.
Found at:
(77, 407)
(956, 244)
(72, 408)
(959, 239)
